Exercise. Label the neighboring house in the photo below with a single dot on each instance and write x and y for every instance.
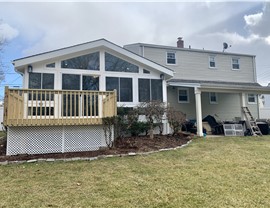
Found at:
(66, 93)
(207, 82)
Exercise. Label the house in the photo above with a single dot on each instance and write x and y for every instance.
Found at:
(207, 82)
(67, 92)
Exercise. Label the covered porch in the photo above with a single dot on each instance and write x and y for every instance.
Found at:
(223, 100)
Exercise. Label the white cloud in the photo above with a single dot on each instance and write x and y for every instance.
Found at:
(253, 19)
(7, 32)
(267, 39)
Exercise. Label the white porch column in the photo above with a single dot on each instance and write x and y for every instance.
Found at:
(198, 111)
(243, 104)
(166, 126)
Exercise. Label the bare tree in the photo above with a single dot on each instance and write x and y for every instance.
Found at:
(176, 119)
(2, 44)
(154, 112)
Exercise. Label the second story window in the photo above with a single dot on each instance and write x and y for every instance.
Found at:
(171, 58)
(235, 63)
(212, 62)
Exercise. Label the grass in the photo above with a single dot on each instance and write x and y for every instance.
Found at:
(214, 172)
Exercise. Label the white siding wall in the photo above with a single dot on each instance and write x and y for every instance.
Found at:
(195, 65)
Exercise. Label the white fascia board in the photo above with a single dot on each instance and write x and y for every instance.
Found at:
(57, 53)
(236, 89)
(179, 84)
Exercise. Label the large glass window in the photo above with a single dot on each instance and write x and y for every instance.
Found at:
(113, 63)
(150, 89)
(90, 83)
(40, 81)
(144, 90)
(90, 102)
(71, 82)
(70, 102)
(87, 62)
(123, 87)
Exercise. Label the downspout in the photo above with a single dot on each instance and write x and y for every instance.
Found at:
(254, 69)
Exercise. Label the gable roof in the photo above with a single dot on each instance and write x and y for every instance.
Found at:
(186, 49)
(22, 62)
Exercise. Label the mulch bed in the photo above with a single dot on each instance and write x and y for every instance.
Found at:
(122, 146)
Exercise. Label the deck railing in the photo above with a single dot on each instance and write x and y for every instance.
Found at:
(32, 107)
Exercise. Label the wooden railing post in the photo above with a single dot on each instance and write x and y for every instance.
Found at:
(5, 120)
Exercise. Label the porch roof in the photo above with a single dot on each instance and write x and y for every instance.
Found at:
(221, 86)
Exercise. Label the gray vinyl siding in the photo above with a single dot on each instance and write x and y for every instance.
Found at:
(227, 108)
(195, 65)
(135, 48)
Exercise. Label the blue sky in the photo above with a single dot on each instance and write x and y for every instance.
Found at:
(31, 28)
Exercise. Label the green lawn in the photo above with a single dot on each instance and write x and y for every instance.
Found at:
(214, 172)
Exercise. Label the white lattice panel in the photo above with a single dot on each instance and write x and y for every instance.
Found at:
(84, 138)
(53, 139)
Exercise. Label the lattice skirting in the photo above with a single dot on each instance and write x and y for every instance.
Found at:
(54, 139)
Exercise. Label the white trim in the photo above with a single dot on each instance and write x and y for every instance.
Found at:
(94, 45)
(213, 102)
(187, 90)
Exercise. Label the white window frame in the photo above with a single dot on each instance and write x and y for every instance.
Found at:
(210, 96)
(214, 57)
(187, 91)
(253, 96)
(238, 60)
(167, 57)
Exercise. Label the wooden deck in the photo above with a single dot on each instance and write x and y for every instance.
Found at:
(27, 107)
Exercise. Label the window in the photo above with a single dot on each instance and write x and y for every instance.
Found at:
(40, 81)
(213, 98)
(90, 83)
(183, 95)
(150, 89)
(146, 71)
(71, 82)
(235, 63)
(123, 87)
(113, 63)
(87, 62)
(171, 58)
(212, 62)
(52, 65)
(251, 99)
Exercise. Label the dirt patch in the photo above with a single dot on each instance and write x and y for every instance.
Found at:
(122, 146)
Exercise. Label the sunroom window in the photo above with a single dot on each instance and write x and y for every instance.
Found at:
(86, 62)
(150, 89)
(113, 63)
(123, 87)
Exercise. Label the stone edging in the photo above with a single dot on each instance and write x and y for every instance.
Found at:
(91, 158)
